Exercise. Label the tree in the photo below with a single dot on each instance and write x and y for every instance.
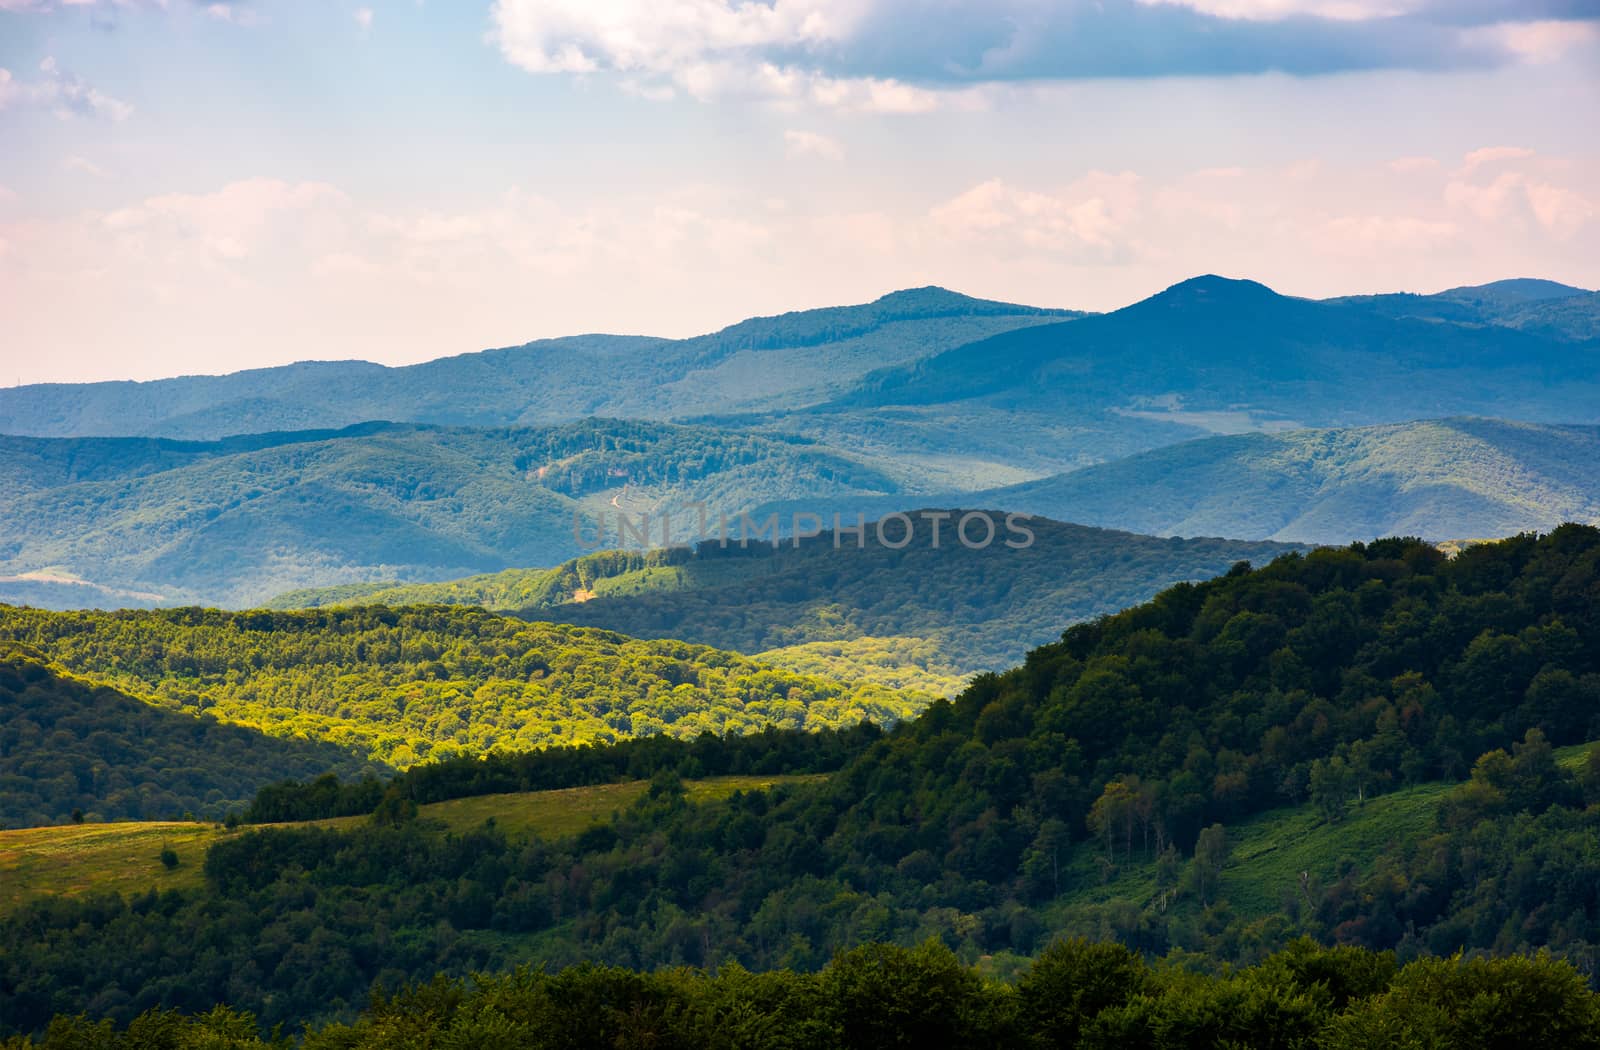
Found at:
(1071, 982)
(1330, 787)
(1114, 814)
(1041, 864)
(1210, 855)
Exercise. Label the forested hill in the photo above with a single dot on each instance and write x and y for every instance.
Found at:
(1442, 479)
(844, 610)
(764, 362)
(402, 685)
(1543, 307)
(234, 522)
(1216, 353)
(67, 746)
(1142, 742)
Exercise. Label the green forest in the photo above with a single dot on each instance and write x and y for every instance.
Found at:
(1441, 705)
(402, 685)
(921, 617)
(72, 750)
(1075, 994)
(237, 521)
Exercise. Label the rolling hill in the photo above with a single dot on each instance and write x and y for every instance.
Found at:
(123, 856)
(1227, 769)
(68, 745)
(1444, 479)
(921, 398)
(402, 685)
(1542, 307)
(762, 363)
(920, 616)
(941, 391)
(88, 520)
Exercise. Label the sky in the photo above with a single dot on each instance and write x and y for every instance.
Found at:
(194, 187)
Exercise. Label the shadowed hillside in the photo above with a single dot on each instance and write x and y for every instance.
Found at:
(1445, 479)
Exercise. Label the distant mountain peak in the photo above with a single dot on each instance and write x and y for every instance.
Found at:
(927, 293)
(1516, 289)
(933, 300)
(1213, 289)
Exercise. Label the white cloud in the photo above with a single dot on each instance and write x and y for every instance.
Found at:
(46, 6)
(1353, 10)
(1541, 41)
(266, 270)
(705, 49)
(363, 17)
(230, 224)
(85, 166)
(909, 55)
(62, 93)
(1513, 197)
(1088, 218)
(656, 36)
(1492, 155)
(649, 92)
(235, 14)
(1525, 189)
(810, 144)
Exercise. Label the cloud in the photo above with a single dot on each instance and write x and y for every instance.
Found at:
(267, 270)
(85, 166)
(808, 50)
(1544, 41)
(46, 6)
(811, 144)
(231, 224)
(1491, 155)
(1459, 12)
(62, 93)
(363, 17)
(1515, 198)
(235, 14)
(1089, 218)
(269, 260)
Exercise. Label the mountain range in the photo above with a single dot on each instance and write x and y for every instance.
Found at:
(1217, 407)
(766, 362)
(145, 521)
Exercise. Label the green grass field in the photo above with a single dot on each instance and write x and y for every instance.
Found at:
(100, 858)
(1268, 852)
(126, 857)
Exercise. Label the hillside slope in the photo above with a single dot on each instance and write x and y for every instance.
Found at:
(401, 685)
(1443, 479)
(766, 362)
(66, 745)
(236, 521)
(1219, 354)
(1545, 308)
(945, 612)
(1324, 697)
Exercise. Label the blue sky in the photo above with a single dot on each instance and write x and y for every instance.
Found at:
(203, 187)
